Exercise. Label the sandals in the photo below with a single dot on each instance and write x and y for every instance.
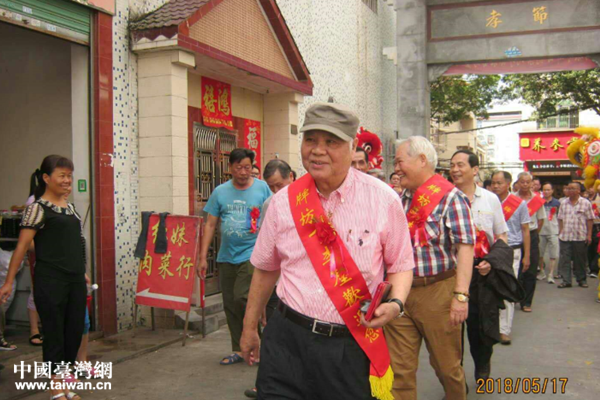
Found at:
(57, 396)
(73, 396)
(5, 346)
(564, 285)
(583, 284)
(526, 309)
(232, 359)
(38, 337)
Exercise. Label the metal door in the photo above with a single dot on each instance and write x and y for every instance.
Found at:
(211, 168)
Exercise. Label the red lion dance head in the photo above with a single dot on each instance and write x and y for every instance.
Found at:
(371, 143)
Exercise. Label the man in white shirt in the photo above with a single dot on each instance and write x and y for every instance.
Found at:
(537, 213)
(487, 217)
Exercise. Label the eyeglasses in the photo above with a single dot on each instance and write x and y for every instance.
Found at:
(239, 168)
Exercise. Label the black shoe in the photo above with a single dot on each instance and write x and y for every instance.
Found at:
(564, 285)
(251, 393)
(482, 372)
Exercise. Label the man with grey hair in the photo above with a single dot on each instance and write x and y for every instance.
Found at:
(537, 214)
(443, 236)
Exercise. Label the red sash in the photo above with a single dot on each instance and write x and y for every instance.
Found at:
(341, 279)
(535, 204)
(510, 205)
(425, 200)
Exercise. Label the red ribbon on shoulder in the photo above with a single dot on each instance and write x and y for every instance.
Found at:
(424, 201)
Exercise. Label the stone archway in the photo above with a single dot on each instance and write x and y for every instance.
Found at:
(433, 35)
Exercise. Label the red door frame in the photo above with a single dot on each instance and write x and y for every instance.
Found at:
(102, 61)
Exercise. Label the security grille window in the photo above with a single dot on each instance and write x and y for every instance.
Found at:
(372, 4)
(566, 119)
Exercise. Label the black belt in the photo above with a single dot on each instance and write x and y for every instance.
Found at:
(312, 324)
(517, 246)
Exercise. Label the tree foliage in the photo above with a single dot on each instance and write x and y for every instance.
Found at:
(454, 97)
(547, 92)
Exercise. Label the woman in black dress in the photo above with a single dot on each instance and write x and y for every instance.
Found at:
(59, 282)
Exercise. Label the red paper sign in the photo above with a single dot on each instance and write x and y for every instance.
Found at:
(167, 280)
(252, 134)
(216, 104)
(545, 145)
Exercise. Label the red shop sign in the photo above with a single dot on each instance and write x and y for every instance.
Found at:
(167, 280)
(545, 145)
(216, 104)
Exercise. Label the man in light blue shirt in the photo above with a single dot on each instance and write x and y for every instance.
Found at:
(518, 239)
(238, 204)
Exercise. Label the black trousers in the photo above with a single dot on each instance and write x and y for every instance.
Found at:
(572, 251)
(296, 364)
(481, 352)
(592, 254)
(61, 306)
(528, 278)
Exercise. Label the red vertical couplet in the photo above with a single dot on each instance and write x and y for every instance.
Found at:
(252, 138)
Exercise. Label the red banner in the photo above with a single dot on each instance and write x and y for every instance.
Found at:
(216, 104)
(167, 280)
(545, 145)
(252, 138)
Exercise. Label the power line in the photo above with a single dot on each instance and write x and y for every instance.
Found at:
(565, 111)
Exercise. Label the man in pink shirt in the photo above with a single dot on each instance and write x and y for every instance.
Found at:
(308, 349)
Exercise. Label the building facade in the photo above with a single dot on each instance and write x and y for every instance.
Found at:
(138, 121)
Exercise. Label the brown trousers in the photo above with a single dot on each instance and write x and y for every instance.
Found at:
(427, 316)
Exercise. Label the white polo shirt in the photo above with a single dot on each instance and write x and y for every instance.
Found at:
(487, 214)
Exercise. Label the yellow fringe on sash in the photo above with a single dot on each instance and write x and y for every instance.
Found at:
(381, 388)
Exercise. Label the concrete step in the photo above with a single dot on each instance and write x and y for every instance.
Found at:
(213, 321)
(213, 305)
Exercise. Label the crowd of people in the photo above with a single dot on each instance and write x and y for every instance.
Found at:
(453, 251)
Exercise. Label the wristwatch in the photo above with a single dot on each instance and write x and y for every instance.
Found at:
(399, 302)
(462, 297)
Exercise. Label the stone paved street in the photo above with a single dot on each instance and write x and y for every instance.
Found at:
(557, 340)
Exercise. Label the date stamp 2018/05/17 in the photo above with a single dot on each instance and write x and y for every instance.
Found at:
(522, 385)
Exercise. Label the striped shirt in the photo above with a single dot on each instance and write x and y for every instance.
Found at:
(368, 216)
(574, 219)
(449, 223)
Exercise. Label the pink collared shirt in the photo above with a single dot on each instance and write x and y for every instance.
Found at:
(368, 216)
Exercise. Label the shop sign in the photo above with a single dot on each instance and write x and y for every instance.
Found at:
(216, 104)
(252, 138)
(545, 145)
(167, 280)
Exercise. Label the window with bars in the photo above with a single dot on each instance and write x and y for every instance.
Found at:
(568, 119)
(372, 4)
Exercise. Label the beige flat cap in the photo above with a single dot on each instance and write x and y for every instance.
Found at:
(336, 119)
